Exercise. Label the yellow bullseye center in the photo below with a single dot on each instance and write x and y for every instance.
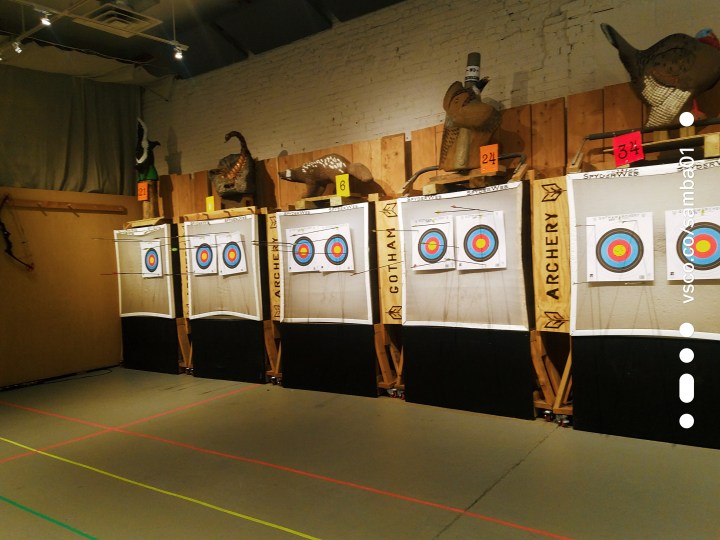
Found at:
(480, 244)
(432, 245)
(337, 250)
(619, 251)
(703, 246)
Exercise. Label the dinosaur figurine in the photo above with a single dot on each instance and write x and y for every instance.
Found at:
(319, 173)
(235, 173)
(670, 73)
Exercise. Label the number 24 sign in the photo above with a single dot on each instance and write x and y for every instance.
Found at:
(628, 148)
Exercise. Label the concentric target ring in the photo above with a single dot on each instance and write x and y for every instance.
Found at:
(336, 249)
(481, 243)
(152, 260)
(303, 251)
(619, 250)
(204, 256)
(232, 255)
(432, 245)
(705, 246)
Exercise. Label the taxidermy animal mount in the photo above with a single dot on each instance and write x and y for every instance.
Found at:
(235, 173)
(144, 155)
(319, 173)
(670, 73)
(469, 123)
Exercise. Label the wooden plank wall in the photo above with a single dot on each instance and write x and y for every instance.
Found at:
(549, 133)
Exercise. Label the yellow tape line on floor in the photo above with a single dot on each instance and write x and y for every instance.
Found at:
(164, 492)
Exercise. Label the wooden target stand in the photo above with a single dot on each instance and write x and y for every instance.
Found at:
(387, 343)
(550, 342)
(228, 209)
(552, 289)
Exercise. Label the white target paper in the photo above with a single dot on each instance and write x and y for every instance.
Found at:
(151, 259)
(231, 252)
(620, 247)
(693, 243)
(337, 253)
(480, 241)
(203, 251)
(320, 249)
(433, 247)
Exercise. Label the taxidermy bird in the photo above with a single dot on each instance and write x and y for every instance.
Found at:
(465, 110)
(235, 174)
(670, 73)
(319, 173)
(144, 155)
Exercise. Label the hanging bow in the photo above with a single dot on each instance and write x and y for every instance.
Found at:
(8, 242)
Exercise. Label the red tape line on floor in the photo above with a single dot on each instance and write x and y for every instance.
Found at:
(119, 429)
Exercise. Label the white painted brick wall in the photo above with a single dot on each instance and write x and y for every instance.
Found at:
(387, 72)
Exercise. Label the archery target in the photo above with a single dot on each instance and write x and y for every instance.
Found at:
(481, 241)
(693, 243)
(326, 266)
(142, 253)
(204, 256)
(203, 248)
(151, 259)
(706, 239)
(620, 248)
(320, 249)
(337, 250)
(303, 251)
(232, 254)
(433, 250)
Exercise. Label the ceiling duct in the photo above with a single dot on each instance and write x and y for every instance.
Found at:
(117, 18)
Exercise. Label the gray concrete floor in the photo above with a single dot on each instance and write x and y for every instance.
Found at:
(131, 454)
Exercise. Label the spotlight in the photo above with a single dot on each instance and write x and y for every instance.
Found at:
(178, 53)
(45, 19)
(18, 48)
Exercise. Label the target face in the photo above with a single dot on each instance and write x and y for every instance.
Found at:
(432, 245)
(204, 256)
(619, 250)
(152, 260)
(481, 243)
(336, 249)
(303, 251)
(231, 255)
(705, 246)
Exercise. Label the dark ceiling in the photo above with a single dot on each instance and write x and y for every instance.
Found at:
(216, 33)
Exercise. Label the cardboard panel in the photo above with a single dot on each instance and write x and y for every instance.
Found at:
(228, 292)
(61, 318)
(319, 296)
(490, 296)
(642, 308)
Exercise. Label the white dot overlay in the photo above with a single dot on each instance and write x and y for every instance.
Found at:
(687, 329)
(687, 119)
(687, 421)
(687, 355)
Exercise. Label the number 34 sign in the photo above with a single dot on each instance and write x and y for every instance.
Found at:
(628, 148)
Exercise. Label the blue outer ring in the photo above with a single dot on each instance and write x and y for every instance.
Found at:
(303, 241)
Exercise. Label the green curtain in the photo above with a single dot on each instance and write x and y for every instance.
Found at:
(67, 133)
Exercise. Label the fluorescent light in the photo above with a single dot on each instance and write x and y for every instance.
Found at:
(45, 19)
(18, 48)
